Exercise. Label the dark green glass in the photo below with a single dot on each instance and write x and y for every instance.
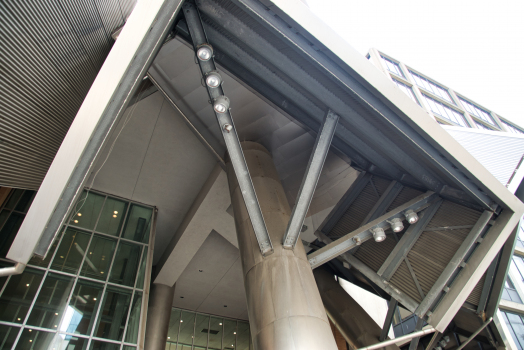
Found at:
(19, 294)
(174, 325)
(25, 201)
(37, 261)
(13, 200)
(80, 316)
(230, 331)
(125, 266)
(33, 339)
(201, 331)
(9, 231)
(113, 314)
(142, 270)
(4, 214)
(134, 319)
(8, 336)
(71, 251)
(100, 345)
(112, 216)
(215, 333)
(187, 324)
(243, 336)
(98, 257)
(138, 224)
(86, 211)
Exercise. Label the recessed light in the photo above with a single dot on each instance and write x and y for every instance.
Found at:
(200, 270)
(181, 320)
(220, 324)
(61, 256)
(181, 297)
(30, 340)
(225, 305)
(94, 298)
(76, 221)
(56, 313)
(234, 332)
(79, 214)
(114, 216)
(27, 285)
(115, 212)
(19, 319)
(168, 337)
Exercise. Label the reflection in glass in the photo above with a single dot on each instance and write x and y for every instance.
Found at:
(111, 217)
(8, 336)
(100, 345)
(126, 264)
(128, 347)
(215, 333)
(9, 231)
(80, 313)
(137, 225)
(34, 339)
(515, 327)
(134, 319)
(86, 210)
(142, 270)
(201, 331)
(19, 294)
(13, 199)
(230, 331)
(98, 257)
(25, 201)
(37, 261)
(112, 319)
(51, 301)
(187, 324)
(70, 342)
(243, 336)
(174, 325)
(71, 251)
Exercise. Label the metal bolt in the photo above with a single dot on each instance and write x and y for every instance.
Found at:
(228, 127)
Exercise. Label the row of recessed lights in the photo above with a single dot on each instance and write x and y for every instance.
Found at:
(80, 214)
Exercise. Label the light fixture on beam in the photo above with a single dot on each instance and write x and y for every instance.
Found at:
(378, 234)
(396, 224)
(205, 52)
(221, 104)
(411, 216)
(213, 79)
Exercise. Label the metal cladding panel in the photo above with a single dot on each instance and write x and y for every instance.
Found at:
(51, 53)
(374, 254)
(487, 148)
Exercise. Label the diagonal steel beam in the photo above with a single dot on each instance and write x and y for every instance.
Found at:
(402, 248)
(392, 307)
(363, 233)
(456, 260)
(227, 127)
(414, 342)
(310, 180)
(384, 202)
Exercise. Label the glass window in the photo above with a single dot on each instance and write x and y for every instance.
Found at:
(70, 342)
(18, 295)
(243, 336)
(482, 126)
(8, 336)
(134, 319)
(201, 331)
(15, 196)
(518, 263)
(515, 327)
(142, 270)
(113, 314)
(174, 325)
(51, 301)
(25, 201)
(510, 293)
(512, 128)
(215, 333)
(4, 214)
(112, 216)
(137, 226)
(187, 324)
(393, 67)
(87, 210)
(100, 345)
(97, 261)
(406, 89)
(230, 334)
(431, 87)
(445, 112)
(37, 261)
(71, 251)
(126, 263)
(34, 339)
(478, 112)
(80, 314)
(520, 236)
(9, 231)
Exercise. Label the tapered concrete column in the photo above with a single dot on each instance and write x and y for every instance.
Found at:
(284, 305)
(355, 324)
(158, 314)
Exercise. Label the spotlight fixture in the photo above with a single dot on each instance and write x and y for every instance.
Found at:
(213, 79)
(411, 216)
(396, 224)
(221, 104)
(205, 52)
(115, 212)
(378, 234)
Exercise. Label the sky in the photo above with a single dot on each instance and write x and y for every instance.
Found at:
(474, 47)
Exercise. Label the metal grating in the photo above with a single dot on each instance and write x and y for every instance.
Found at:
(51, 53)
(374, 254)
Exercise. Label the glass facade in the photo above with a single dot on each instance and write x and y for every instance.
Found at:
(393, 67)
(445, 112)
(513, 129)
(516, 327)
(478, 112)
(509, 292)
(482, 126)
(88, 291)
(431, 87)
(191, 330)
(406, 89)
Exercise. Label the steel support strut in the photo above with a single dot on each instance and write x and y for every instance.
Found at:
(227, 127)
(310, 180)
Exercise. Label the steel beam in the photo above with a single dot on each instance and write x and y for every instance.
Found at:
(227, 127)
(486, 288)
(401, 297)
(310, 180)
(363, 233)
(454, 263)
(473, 270)
(384, 202)
(402, 248)
(434, 340)
(475, 334)
(414, 342)
(392, 307)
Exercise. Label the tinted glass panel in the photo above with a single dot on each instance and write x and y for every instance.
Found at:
(134, 319)
(142, 269)
(112, 318)
(137, 226)
(100, 345)
(243, 336)
(515, 327)
(4, 214)
(126, 263)
(230, 331)
(37, 261)
(98, 258)
(174, 325)
(70, 342)
(215, 335)
(86, 210)
(80, 313)
(25, 201)
(201, 330)
(7, 336)
(71, 251)
(32, 339)
(18, 295)
(51, 301)
(111, 217)
(15, 196)
(187, 323)
(9, 231)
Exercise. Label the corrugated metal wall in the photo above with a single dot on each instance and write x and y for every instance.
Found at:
(50, 54)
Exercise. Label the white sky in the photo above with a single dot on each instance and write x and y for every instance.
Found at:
(474, 47)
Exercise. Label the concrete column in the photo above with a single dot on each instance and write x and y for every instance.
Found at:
(158, 314)
(284, 305)
(356, 326)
